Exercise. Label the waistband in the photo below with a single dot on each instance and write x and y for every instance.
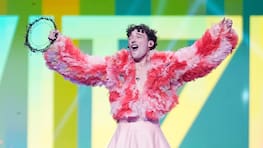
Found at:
(135, 119)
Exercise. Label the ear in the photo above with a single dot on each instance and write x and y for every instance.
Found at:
(150, 43)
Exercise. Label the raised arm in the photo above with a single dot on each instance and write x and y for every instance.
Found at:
(74, 65)
(205, 54)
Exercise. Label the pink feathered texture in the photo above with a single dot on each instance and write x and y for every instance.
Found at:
(159, 88)
(121, 71)
(73, 64)
(206, 45)
(200, 70)
(211, 50)
(232, 38)
(166, 72)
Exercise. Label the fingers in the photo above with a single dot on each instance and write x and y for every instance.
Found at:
(223, 20)
(226, 24)
(53, 35)
(53, 32)
(229, 23)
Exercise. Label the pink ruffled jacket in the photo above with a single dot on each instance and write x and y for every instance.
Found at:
(166, 73)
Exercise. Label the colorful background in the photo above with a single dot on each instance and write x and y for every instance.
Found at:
(39, 109)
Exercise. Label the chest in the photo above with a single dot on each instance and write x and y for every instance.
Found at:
(141, 73)
(124, 73)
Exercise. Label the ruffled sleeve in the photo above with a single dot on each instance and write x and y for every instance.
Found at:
(74, 65)
(204, 55)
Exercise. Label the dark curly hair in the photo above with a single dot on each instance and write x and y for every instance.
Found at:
(151, 34)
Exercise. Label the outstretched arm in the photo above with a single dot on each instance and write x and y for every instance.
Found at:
(74, 65)
(206, 53)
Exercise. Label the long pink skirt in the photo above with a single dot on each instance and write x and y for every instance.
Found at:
(139, 134)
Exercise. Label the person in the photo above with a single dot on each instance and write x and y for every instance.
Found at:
(142, 81)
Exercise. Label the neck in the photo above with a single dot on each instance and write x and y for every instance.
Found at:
(144, 60)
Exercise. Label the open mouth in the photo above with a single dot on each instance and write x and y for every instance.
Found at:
(134, 46)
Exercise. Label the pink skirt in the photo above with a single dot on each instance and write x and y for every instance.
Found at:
(139, 134)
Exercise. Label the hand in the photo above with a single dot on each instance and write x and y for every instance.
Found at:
(226, 25)
(53, 35)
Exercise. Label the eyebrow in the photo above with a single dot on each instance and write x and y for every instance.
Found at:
(139, 33)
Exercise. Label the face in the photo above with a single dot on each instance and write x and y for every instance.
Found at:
(139, 45)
